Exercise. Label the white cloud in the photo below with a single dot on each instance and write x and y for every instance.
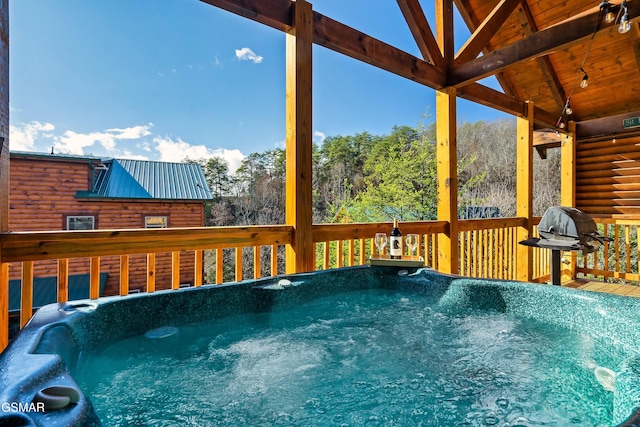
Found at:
(172, 151)
(24, 136)
(319, 137)
(246, 54)
(71, 142)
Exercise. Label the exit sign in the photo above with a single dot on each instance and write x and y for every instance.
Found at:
(632, 122)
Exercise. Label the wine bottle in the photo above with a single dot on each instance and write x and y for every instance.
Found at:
(396, 241)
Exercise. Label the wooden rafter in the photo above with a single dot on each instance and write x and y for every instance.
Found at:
(544, 62)
(487, 29)
(489, 97)
(635, 39)
(540, 43)
(444, 29)
(473, 23)
(339, 37)
(358, 45)
(419, 27)
(274, 13)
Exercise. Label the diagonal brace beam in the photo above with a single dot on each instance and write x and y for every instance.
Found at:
(421, 31)
(538, 44)
(481, 36)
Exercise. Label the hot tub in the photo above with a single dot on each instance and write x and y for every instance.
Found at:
(353, 346)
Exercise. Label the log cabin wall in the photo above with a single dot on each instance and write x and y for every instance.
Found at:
(608, 177)
(43, 194)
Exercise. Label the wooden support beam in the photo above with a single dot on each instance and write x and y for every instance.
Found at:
(481, 36)
(419, 27)
(4, 306)
(341, 38)
(529, 25)
(447, 172)
(300, 254)
(444, 30)
(63, 280)
(26, 293)
(606, 126)
(358, 45)
(524, 193)
(568, 190)
(489, 97)
(274, 13)
(543, 42)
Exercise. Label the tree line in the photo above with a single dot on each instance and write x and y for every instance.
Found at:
(370, 178)
(375, 178)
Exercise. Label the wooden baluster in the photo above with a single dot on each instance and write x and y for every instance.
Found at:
(351, 252)
(325, 261)
(151, 272)
(26, 300)
(175, 270)
(63, 280)
(219, 266)
(238, 264)
(274, 260)
(198, 272)
(124, 275)
(94, 277)
(257, 264)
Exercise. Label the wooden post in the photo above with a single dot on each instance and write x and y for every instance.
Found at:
(524, 193)
(568, 189)
(447, 172)
(4, 167)
(300, 255)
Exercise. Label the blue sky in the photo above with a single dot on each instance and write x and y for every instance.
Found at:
(165, 80)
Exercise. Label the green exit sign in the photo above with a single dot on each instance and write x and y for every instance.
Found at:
(632, 122)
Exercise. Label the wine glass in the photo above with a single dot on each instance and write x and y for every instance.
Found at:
(412, 243)
(381, 242)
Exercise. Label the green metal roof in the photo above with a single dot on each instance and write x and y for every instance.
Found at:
(144, 179)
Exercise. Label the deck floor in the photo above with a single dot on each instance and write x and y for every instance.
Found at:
(610, 288)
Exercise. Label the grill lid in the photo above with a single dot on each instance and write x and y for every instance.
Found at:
(568, 224)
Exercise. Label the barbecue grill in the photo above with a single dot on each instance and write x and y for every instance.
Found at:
(566, 229)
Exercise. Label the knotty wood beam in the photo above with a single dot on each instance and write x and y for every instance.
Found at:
(300, 254)
(530, 27)
(447, 173)
(489, 97)
(340, 38)
(541, 43)
(274, 13)
(635, 39)
(524, 193)
(568, 188)
(473, 23)
(444, 30)
(481, 36)
(606, 126)
(351, 42)
(421, 31)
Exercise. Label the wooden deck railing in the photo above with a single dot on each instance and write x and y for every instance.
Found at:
(617, 260)
(487, 249)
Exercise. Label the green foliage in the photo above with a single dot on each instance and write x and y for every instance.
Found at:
(399, 179)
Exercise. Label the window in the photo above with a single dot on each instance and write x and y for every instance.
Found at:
(80, 223)
(155, 222)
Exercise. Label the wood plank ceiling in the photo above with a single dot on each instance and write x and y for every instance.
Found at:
(535, 48)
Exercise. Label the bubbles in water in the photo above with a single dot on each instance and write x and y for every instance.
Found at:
(369, 358)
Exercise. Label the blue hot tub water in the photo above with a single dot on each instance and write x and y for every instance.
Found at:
(360, 346)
